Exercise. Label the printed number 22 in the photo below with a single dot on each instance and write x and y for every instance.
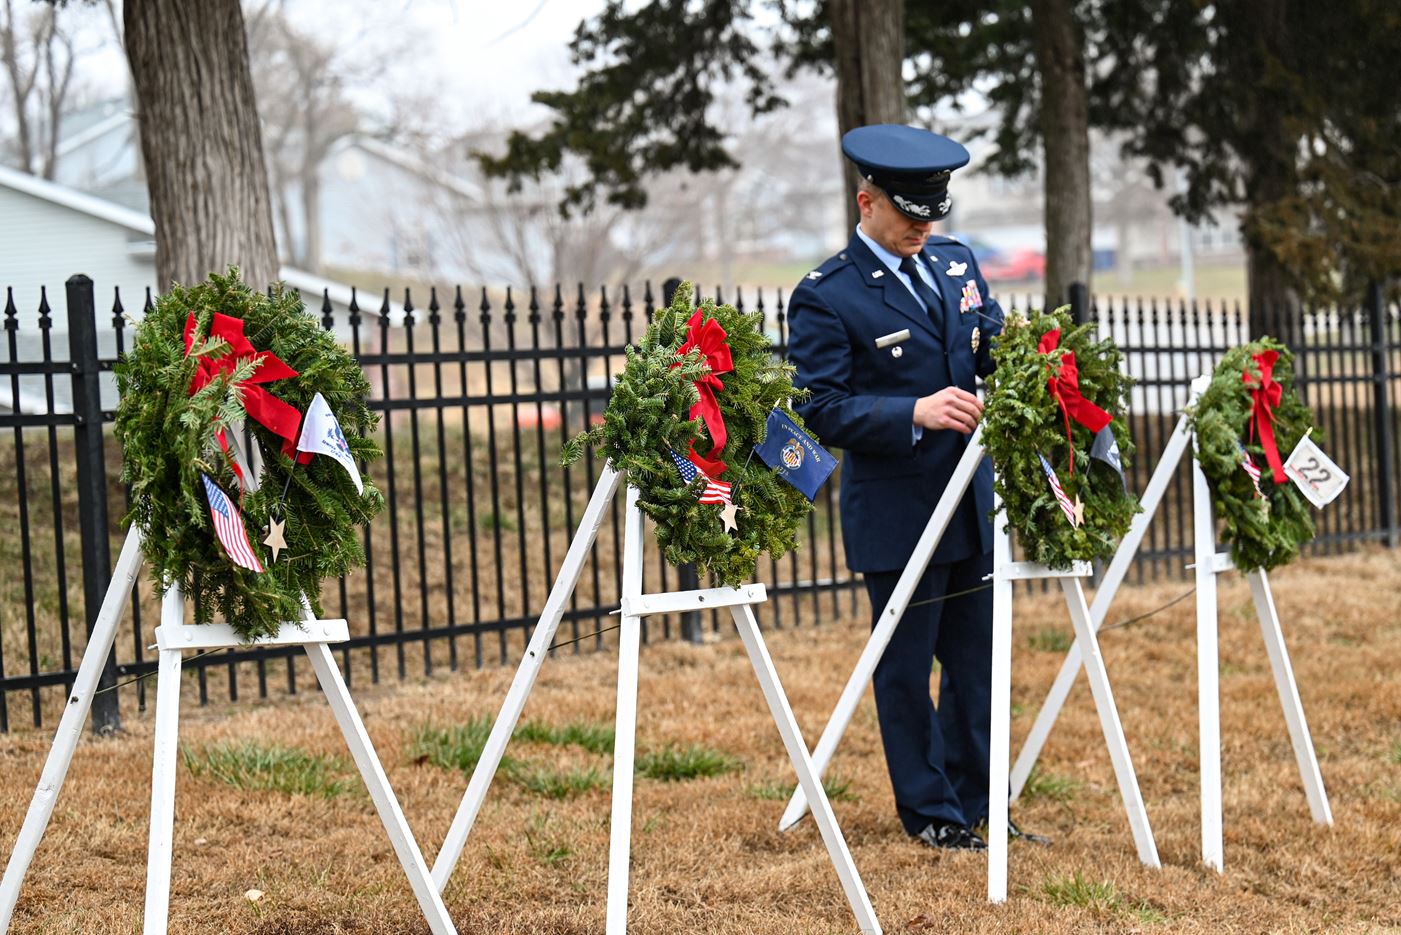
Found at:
(1314, 472)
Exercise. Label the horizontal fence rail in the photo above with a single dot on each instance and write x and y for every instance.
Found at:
(477, 390)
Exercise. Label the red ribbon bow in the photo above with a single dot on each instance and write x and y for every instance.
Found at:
(1065, 390)
(278, 417)
(709, 338)
(1265, 395)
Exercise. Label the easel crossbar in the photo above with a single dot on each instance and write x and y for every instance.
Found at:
(645, 605)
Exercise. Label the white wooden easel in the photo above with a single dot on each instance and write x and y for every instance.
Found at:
(1208, 564)
(174, 638)
(635, 606)
(1005, 572)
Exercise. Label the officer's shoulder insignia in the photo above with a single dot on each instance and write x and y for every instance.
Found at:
(945, 239)
(828, 267)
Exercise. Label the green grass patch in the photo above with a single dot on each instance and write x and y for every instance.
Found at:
(677, 764)
(1050, 640)
(457, 748)
(1043, 785)
(252, 766)
(1097, 897)
(838, 790)
(559, 783)
(593, 737)
(1396, 753)
(547, 847)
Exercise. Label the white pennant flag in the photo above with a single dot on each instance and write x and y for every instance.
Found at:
(322, 435)
(1314, 473)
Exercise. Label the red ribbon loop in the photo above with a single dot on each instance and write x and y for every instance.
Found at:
(1064, 386)
(708, 337)
(1265, 395)
(278, 417)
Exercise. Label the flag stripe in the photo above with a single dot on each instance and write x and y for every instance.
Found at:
(228, 526)
(1250, 468)
(1066, 506)
(715, 491)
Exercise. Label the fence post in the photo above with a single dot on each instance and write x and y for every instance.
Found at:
(1381, 411)
(1079, 303)
(687, 577)
(92, 482)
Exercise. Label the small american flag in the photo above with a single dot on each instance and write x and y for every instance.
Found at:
(1249, 467)
(716, 491)
(228, 526)
(1066, 506)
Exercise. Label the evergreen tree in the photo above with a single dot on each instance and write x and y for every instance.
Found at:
(1276, 107)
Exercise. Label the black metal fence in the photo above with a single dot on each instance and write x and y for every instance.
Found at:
(477, 391)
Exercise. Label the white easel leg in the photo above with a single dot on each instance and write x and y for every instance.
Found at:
(1099, 609)
(372, 771)
(526, 674)
(809, 779)
(165, 756)
(70, 727)
(885, 627)
(1109, 722)
(625, 730)
(999, 742)
(1208, 671)
(1289, 698)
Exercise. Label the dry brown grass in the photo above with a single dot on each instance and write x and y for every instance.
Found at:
(706, 855)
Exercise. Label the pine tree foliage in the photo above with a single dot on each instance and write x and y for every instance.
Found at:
(1022, 418)
(1264, 531)
(168, 440)
(649, 414)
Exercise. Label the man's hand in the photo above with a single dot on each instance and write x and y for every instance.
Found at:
(950, 408)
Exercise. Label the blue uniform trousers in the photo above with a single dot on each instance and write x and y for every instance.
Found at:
(938, 760)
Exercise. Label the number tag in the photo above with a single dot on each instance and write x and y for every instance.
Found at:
(1314, 473)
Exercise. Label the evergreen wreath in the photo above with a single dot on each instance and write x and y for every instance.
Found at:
(169, 438)
(1022, 418)
(1266, 527)
(648, 418)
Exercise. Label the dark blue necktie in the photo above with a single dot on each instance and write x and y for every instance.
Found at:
(928, 296)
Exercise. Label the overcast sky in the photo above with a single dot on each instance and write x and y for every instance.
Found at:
(479, 60)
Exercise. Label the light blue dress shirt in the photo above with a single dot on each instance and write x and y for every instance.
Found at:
(892, 263)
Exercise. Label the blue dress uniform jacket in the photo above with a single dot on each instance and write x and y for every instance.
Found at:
(863, 395)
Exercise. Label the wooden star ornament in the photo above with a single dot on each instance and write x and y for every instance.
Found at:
(1079, 509)
(729, 518)
(275, 540)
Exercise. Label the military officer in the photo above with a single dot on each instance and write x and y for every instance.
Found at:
(889, 337)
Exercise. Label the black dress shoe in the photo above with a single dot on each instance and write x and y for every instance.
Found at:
(951, 836)
(1014, 832)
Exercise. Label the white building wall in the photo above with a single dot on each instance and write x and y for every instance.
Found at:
(42, 244)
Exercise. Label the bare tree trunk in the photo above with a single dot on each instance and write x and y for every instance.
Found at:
(21, 85)
(60, 77)
(1274, 305)
(312, 154)
(200, 139)
(311, 200)
(1065, 135)
(1270, 171)
(869, 39)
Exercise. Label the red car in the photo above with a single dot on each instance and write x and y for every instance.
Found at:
(1014, 265)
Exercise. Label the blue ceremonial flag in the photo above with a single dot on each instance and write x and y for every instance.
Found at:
(798, 459)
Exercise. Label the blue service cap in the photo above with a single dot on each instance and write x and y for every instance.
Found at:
(910, 165)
